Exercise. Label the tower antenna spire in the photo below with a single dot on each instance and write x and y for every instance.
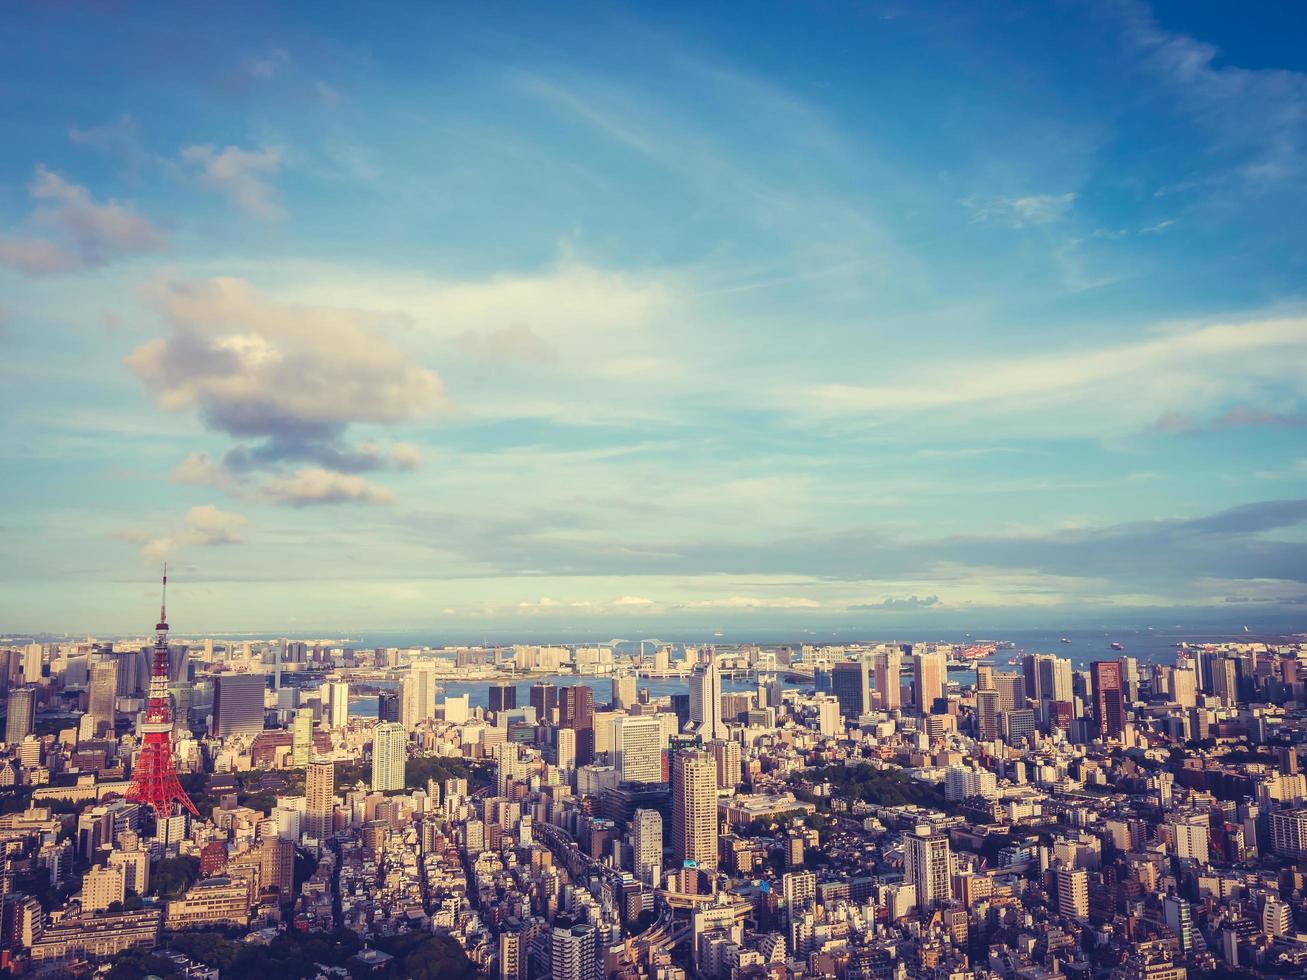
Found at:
(154, 773)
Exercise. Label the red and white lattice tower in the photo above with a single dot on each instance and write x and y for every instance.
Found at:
(154, 780)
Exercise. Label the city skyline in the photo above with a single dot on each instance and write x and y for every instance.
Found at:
(626, 322)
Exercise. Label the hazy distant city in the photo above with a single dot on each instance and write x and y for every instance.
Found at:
(653, 491)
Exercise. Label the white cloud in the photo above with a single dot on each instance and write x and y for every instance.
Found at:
(85, 233)
(240, 176)
(199, 469)
(405, 455)
(1018, 212)
(314, 485)
(632, 600)
(1164, 373)
(204, 526)
(755, 602)
(255, 367)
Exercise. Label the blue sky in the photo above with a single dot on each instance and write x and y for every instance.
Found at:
(420, 316)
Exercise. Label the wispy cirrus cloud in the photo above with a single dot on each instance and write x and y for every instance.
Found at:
(241, 176)
(1019, 212)
(1167, 373)
(1257, 118)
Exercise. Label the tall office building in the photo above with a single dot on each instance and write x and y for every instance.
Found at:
(389, 707)
(851, 685)
(319, 794)
(389, 756)
(638, 742)
(1011, 690)
(889, 682)
(335, 704)
(928, 673)
(544, 698)
(418, 693)
(706, 700)
(103, 695)
(33, 658)
(647, 845)
(828, 715)
(503, 696)
(987, 714)
(694, 809)
(1109, 698)
(928, 864)
(1073, 892)
(21, 714)
(238, 704)
(574, 953)
(576, 712)
(1184, 687)
(301, 736)
(730, 763)
(623, 691)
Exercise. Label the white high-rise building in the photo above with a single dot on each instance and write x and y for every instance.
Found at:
(574, 953)
(828, 715)
(637, 748)
(928, 865)
(301, 733)
(389, 756)
(1073, 892)
(647, 845)
(706, 700)
(623, 691)
(335, 704)
(418, 693)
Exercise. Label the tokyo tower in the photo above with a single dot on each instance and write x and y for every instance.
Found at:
(154, 780)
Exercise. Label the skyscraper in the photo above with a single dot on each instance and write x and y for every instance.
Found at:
(319, 791)
(389, 706)
(706, 699)
(694, 809)
(301, 734)
(638, 743)
(389, 756)
(418, 693)
(1109, 698)
(851, 685)
(576, 712)
(544, 698)
(928, 672)
(647, 845)
(889, 667)
(987, 714)
(623, 695)
(103, 695)
(22, 713)
(335, 704)
(928, 864)
(238, 704)
(503, 696)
